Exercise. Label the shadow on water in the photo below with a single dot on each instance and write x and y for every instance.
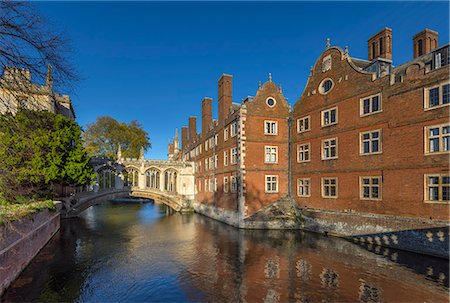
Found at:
(140, 252)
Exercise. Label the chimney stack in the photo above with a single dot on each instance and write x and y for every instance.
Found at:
(225, 85)
(380, 45)
(206, 114)
(184, 137)
(192, 128)
(424, 42)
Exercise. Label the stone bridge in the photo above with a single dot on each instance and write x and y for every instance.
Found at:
(166, 181)
(169, 182)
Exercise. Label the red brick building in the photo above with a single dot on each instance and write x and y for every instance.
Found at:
(374, 138)
(364, 137)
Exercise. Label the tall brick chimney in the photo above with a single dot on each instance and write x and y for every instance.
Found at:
(424, 42)
(192, 128)
(380, 45)
(184, 137)
(225, 85)
(206, 114)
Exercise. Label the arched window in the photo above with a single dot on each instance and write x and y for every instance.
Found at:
(381, 46)
(152, 178)
(420, 47)
(106, 178)
(170, 181)
(131, 177)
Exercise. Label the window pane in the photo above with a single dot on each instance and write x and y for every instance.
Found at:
(434, 131)
(366, 181)
(366, 147)
(332, 191)
(434, 96)
(445, 179)
(433, 180)
(375, 147)
(375, 104)
(326, 118)
(446, 193)
(375, 181)
(366, 192)
(375, 134)
(434, 145)
(366, 105)
(306, 123)
(434, 195)
(446, 93)
(366, 136)
(333, 116)
(375, 193)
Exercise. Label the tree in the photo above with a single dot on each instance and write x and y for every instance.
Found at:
(106, 135)
(41, 149)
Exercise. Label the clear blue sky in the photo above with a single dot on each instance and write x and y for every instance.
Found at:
(155, 61)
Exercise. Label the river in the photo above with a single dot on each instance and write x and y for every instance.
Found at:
(140, 252)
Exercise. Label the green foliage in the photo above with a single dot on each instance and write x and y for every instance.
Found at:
(37, 150)
(105, 135)
(10, 212)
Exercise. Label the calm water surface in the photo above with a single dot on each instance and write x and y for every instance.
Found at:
(138, 252)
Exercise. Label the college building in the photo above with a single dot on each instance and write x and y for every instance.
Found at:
(365, 138)
(17, 90)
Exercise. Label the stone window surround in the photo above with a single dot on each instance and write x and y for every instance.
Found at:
(308, 150)
(272, 182)
(441, 136)
(370, 185)
(426, 94)
(426, 198)
(323, 148)
(265, 154)
(361, 105)
(265, 128)
(322, 116)
(299, 180)
(361, 141)
(323, 187)
(303, 119)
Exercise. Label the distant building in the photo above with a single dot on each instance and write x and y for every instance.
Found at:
(364, 137)
(18, 91)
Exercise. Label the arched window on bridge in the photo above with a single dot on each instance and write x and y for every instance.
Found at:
(152, 178)
(131, 177)
(170, 180)
(106, 178)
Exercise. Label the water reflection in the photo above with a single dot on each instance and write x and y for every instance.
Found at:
(136, 252)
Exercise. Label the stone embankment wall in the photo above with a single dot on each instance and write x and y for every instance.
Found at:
(424, 236)
(21, 240)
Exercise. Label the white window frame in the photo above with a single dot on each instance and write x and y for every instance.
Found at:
(439, 186)
(371, 112)
(206, 164)
(206, 185)
(362, 141)
(233, 184)
(233, 129)
(304, 183)
(216, 161)
(323, 148)
(323, 181)
(225, 158)
(266, 187)
(301, 150)
(370, 185)
(225, 133)
(225, 184)
(216, 139)
(273, 151)
(426, 96)
(211, 163)
(206, 145)
(234, 155)
(322, 116)
(441, 136)
(273, 126)
(301, 124)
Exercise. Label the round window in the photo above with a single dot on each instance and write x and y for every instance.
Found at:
(325, 86)
(271, 102)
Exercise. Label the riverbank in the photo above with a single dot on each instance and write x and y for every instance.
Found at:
(22, 239)
(424, 236)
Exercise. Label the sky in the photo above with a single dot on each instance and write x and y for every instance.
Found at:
(155, 61)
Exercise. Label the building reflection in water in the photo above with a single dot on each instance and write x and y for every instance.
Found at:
(140, 253)
(294, 266)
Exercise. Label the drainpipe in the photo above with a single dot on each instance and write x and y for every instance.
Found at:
(290, 156)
